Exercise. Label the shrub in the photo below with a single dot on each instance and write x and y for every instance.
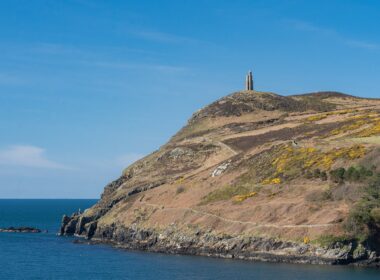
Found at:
(274, 181)
(358, 221)
(375, 215)
(287, 162)
(242, 197)
(306, 240)
(317, 173)
(364, 217)
(319, 195)
(180, 189)
(308, 174)
(323, 176)
(337, 175)
(352, 174)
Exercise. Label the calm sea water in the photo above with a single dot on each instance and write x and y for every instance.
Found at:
(47, 256)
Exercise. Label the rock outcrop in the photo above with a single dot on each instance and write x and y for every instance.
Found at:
(20, 229)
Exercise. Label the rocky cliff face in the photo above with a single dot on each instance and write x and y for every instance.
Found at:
(253, 176)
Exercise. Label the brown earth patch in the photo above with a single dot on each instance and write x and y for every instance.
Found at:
(246, 143)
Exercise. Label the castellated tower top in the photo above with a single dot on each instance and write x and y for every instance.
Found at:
(249, 81)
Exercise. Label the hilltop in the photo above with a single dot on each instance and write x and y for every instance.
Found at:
(254, 175)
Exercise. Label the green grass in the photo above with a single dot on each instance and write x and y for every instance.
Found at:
(228, 192)
(329, 240)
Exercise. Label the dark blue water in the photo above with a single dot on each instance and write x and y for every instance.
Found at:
(46, 256)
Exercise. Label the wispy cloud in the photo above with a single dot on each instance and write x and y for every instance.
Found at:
(137, 66)
(362, 44)
(328, 32)
(27, 156)
(87, 56)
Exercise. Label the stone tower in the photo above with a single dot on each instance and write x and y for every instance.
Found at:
(249, 81)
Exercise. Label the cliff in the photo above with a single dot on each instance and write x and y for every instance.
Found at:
(254, 175)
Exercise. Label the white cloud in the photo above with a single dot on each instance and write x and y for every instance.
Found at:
(27, 156)
(309, 27)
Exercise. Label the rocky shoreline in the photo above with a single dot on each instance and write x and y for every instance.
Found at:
(174, 241)
(21, 229)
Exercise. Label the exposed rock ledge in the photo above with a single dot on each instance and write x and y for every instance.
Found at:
(174, 241)
(21, 229)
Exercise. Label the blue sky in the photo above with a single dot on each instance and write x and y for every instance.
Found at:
(87, 87)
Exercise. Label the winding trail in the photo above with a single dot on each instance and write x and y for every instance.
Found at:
(227, 147)
(252, 224)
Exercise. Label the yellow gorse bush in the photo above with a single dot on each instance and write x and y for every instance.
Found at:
(179, 180)
(240, 198)
(325, 115)
(297, 159)
(374, 129)
(363, 120)
(316, 118)
(274, 181)
(349, 127)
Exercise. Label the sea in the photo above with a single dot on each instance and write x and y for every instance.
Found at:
(48, 256)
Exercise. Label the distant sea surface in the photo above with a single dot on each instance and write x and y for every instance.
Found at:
(47, 256)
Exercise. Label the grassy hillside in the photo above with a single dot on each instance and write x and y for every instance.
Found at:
(302, 169)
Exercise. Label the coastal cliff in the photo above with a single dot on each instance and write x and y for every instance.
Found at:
(254, 176)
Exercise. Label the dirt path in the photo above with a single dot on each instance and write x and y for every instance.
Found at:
(227, 147)
(253, 225)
